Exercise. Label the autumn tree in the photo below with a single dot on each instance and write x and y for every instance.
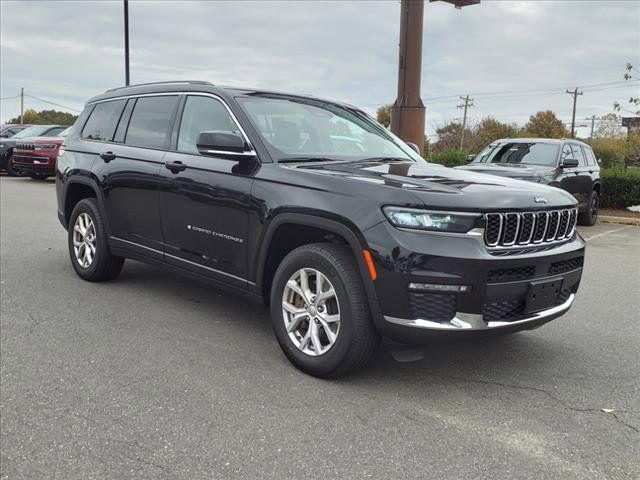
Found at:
(383, 115)
(45, 117)
(547, 125)
(634, 101)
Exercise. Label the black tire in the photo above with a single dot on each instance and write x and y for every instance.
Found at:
(37, 176)
(105, 265)
(590, 216)
(356, 339)
(10, 170)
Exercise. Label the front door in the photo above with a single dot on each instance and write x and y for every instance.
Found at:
(204, 200)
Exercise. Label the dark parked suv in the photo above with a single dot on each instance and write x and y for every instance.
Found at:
(311, 207)
(566, 163)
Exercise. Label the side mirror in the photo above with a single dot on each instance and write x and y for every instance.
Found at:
(470, 158)
(218, 143)
(414, 147)
(569, 163)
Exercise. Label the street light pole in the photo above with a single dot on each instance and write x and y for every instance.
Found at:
(126, 42)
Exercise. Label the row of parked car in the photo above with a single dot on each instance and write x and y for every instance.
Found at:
(31, 150)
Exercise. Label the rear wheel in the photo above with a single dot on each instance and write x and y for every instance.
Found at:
(88, 248)
(320, 312)
(590, 216)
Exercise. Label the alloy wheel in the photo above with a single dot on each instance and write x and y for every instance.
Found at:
(311, 312)
(84, 240)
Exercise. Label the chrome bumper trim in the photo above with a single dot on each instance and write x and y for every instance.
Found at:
(474, 321)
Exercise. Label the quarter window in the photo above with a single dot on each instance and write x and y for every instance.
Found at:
(103, 120)
(150, 122)
(591, 158)
(202, 114)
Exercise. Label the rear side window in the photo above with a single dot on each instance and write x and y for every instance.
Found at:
(591, 158)
(202, 114)
(103, 120)
(151, 121)
(55, 131)
(578, 155)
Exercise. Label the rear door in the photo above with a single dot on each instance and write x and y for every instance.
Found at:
(568, 178)
(205, 200)
(129, 168)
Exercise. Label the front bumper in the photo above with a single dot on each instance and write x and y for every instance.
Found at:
(497, 296)
(33, 164)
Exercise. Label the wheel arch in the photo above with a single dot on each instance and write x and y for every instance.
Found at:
(79, 188)
(336, 229)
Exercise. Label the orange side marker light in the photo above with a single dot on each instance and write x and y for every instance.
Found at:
(369, 261)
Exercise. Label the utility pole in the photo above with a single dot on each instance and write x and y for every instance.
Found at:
(574, 94)
(407, 112)
(593, 119)
(126, 42)
(22, 105)
(468, 102)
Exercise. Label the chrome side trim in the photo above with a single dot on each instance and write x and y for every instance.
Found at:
(219, 272)
(475, 322)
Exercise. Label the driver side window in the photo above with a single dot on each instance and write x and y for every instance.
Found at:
(202, 114)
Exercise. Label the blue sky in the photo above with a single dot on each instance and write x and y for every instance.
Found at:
(513, 57)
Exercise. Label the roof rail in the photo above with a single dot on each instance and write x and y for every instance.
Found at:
(196, 82)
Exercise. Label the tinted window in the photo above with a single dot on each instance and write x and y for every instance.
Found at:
(566, 152)
(34, 131)
(55, 131)
(527, 153)
(150, 122)
(578, 155)
(124, 121)
(591, 158)
(103, 120)
(202, 114)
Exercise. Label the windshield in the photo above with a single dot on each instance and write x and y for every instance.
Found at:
(33, 131)
(294, 129)
(529, 153)
(64, 133)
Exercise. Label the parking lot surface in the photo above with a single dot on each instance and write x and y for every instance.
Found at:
(154, 376)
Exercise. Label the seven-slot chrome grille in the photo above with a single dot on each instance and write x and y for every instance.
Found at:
(517, 229)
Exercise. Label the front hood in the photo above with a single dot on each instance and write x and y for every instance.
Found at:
(512, 170)
(6, 143)
(440, 187)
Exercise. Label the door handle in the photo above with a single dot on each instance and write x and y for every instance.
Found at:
(107, 156)
(176, 166)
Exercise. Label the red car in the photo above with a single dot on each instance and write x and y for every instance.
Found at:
(36, 157)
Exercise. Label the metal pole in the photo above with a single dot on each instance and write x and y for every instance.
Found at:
(467, 103)
(22, 105)
(408, 112)
(593, 119)
(574, 94)
(126, 42)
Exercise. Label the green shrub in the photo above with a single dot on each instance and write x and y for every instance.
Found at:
(620, 187)
(450, 157)
(610, 152)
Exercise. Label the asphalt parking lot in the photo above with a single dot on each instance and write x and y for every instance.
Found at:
(155, 376)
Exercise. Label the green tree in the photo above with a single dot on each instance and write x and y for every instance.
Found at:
(546, 124)
(45, 117)
(383, 115)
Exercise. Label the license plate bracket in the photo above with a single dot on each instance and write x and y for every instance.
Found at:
(543, 294)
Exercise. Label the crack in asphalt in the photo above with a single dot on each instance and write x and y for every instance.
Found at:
(547, 393)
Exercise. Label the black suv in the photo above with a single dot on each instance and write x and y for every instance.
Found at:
(566, 163)
(314, 208)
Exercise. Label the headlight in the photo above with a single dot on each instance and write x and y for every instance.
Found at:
(45, 146)
(431, 220)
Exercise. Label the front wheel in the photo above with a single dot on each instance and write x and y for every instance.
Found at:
(590, 217)
(88, 248)
(320, 312)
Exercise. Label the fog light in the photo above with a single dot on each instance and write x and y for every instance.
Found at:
(437, 287)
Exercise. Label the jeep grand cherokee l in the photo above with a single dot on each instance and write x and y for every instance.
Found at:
(311, 207)
(37, 157)
(7, 144)
(565, 163)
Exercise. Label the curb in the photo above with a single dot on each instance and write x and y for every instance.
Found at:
(621, 220)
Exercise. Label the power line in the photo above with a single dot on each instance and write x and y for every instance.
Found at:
(9, 98)
(52, 103)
